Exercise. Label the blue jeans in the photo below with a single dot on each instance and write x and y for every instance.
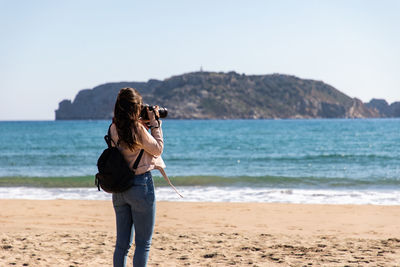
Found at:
(135, 212)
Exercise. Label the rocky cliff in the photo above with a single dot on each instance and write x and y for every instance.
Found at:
(386, 110)
(209, 95)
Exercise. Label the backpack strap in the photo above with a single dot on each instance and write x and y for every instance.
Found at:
(108, 138)
(138, 159)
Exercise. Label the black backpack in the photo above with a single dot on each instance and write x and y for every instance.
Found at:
(114, 174)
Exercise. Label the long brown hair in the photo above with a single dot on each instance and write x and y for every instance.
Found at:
(126, 116)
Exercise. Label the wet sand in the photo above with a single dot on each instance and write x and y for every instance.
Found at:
(82, 233)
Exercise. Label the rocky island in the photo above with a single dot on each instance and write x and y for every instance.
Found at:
(218, 95)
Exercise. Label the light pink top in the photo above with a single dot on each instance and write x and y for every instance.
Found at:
(153, 145)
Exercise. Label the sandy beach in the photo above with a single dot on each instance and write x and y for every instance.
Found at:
(82, 233)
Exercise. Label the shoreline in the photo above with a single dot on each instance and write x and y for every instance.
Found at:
(218, 194)
(184, 202)
(82, 233)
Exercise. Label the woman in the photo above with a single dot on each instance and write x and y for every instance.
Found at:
(135, 208)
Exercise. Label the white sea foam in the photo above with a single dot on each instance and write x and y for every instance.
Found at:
(220, 194)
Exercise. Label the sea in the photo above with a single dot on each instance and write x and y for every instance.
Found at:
(316, 161)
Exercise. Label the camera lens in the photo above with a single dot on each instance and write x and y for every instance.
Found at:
(163, 112)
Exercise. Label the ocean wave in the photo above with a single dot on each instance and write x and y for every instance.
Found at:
(220, 194)
(282, 181)
(216, 181)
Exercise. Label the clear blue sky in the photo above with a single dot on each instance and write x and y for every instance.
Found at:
(50, 50)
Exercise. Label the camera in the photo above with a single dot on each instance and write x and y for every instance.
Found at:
(163, 112)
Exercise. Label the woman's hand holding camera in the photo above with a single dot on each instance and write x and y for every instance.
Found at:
(153, 116)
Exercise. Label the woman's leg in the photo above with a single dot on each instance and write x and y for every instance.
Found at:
(144, 226)
(143, 215)
(124, 224)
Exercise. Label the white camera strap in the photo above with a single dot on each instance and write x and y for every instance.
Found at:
(168, 180)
